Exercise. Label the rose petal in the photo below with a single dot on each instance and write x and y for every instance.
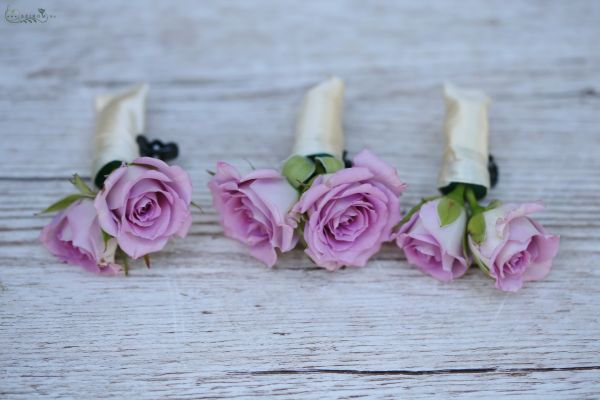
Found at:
(382, 171)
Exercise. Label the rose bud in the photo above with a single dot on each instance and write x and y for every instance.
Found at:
(510, 246)
(75, 237)
(432, 246)
(254, 210)
(347, 215)
(143, 204)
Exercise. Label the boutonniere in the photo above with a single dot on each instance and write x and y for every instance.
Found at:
(443, 235)
(339, 211)
(138, 201)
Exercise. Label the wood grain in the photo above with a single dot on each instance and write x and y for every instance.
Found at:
(226, 80)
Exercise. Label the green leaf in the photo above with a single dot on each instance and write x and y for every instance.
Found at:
(330, 164)
(147, 260)
(448, 210)
(465, 245)
(476, 227)
(481, 264)
(493, 204)
(126, 266)
(122, 258)
(106, 237)
(63, 203)
(298, 170)
(194, 204)
(211, 173)
(300, 231)
(81, 185)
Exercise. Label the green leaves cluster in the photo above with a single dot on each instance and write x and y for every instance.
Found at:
(84, 192)
(300, 171)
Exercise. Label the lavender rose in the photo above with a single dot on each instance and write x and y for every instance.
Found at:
(254, 210)
(516, 248)
(436, 250)
(143, 204)
(351, 212)
(74, 236)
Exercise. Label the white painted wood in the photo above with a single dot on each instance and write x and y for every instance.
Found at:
(226, 80)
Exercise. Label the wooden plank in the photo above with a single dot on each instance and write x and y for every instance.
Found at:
(165, 382)
(371, 318)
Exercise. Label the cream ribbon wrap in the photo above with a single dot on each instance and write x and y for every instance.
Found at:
(319, 127)
(119, 120)
(465, 158)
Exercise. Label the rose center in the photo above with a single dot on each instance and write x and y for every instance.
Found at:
(350, 224)
(518, 263)
(146, 209)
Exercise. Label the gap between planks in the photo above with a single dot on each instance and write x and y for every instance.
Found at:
(462, 371)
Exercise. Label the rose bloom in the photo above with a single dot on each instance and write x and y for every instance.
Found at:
(143, 204)
(350, 213)
(436, 250)
(254, 210)
(516, 248)
(75, 237)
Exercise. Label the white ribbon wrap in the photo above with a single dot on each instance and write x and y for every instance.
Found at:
(319, 128)
(119, 120)
(465, 158)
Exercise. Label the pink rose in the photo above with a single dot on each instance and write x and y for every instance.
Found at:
(74, 236)
(254, 210)
(436, 250)
(143, 204)
(350, 213)
(516, 248)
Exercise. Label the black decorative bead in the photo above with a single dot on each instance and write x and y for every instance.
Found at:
(157, 149)
(347, 161)
(493, 170)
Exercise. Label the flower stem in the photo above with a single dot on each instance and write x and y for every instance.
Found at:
(472, 200)
(430, 198)
(458, 193)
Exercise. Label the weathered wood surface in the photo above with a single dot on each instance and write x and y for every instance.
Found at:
(227, 78)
